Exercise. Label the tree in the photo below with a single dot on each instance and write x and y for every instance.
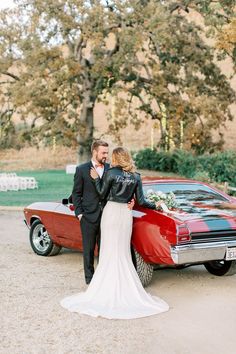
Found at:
(63, 58)
(173, 77)
(227, 40)
(63, 64)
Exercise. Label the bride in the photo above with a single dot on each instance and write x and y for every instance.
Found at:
(115, 291)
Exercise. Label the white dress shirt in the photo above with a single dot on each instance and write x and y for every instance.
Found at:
(99, 170)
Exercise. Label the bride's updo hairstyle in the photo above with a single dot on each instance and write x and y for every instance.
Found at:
(121, 157)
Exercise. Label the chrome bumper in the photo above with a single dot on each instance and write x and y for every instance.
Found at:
(201, 252)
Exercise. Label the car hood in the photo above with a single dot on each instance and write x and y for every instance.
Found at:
(45, 206)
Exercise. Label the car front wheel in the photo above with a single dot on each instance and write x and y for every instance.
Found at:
(144, 270)
(41, 241)
(221, 267)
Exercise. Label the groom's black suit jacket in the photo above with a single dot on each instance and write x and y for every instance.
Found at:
(84, 195)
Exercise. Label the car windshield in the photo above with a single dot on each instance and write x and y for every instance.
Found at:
(187, 192)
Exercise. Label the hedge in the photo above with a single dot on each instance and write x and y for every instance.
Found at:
(217, 167)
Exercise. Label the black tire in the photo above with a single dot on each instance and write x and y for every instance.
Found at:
(40, 240)
(144, 270)
(55, 250)
(220, 268)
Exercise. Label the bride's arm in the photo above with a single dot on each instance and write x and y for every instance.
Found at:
(102, 185)
(140, 196)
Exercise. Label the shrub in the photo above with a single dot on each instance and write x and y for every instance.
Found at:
(155, 160)
(223, 167)
(146, 159)
(186, 163)
(218, 167)
(202, 176)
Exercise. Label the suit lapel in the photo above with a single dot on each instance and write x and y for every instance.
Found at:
(90, 165)
(106, 167)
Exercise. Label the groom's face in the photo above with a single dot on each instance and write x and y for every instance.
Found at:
(101, 154)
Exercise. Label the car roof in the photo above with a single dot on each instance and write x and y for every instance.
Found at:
(148, 179)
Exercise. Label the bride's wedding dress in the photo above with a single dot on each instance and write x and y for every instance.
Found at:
(115, 291)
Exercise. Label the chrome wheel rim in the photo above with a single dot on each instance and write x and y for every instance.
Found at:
(41, 238)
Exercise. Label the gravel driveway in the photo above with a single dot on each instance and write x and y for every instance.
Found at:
(201, 320)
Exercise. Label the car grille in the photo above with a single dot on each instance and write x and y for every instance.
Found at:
(213, 236)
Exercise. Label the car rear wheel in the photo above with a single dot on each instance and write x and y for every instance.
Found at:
(144, 270)
(221, 267)
(41, 241)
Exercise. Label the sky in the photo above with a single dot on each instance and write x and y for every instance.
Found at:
(5, 3)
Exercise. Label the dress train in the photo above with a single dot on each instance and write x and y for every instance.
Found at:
(115, 291)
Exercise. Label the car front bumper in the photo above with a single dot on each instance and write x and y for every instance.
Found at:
(201, 252)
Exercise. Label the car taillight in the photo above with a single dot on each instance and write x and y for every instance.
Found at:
(183, 234)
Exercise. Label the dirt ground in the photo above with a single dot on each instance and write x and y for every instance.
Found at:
(201, 319)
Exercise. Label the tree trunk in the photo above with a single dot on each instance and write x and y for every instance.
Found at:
(85, 135)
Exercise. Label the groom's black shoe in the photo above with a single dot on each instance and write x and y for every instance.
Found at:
(88, 281)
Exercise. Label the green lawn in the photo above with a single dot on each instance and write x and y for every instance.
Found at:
(53, 186)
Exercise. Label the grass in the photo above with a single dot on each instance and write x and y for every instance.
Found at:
(53, 186)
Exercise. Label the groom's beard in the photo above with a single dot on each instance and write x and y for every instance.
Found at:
(102, 160)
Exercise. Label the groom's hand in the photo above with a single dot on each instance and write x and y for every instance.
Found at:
(131, 204)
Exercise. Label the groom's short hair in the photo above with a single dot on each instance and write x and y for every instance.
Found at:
(95, 145)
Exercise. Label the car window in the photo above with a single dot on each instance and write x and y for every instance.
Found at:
(187, 192)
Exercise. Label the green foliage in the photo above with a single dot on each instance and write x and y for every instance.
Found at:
(202, 176)
(221, 167)
(187, 163)
(146, 159)
(57, 61)
(218, 167)
(155, 160)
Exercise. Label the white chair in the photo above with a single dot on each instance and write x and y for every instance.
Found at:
(3, 184)
(11, 174)
(13, 183)
(22, 183)
(31, 182)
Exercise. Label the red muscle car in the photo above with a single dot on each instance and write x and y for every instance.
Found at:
(200, 230)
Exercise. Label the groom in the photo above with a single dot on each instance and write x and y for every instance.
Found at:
(88, 205)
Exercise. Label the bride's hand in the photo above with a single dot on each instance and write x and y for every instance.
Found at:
(93, 173)
(131, 204)
(158, 205)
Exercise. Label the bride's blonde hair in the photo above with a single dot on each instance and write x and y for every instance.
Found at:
(121, 157)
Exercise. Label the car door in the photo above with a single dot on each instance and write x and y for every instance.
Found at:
(67, 227)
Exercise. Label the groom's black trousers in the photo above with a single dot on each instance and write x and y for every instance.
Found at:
(91, 237)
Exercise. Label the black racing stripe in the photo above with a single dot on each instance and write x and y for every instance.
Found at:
(218, 224)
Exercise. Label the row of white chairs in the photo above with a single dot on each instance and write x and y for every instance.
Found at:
(12, 182)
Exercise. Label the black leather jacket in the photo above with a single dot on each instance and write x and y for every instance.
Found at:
(121, 186)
